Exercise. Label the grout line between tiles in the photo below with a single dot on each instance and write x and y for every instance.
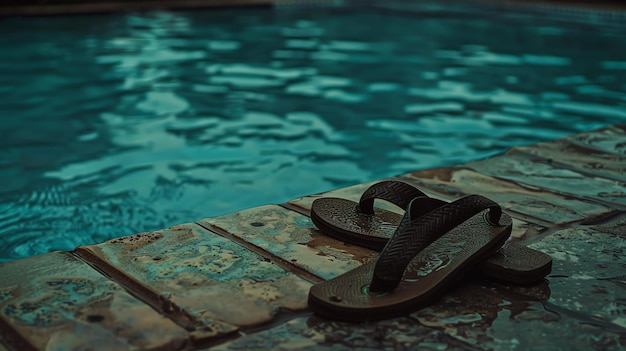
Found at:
(286, 265)
(161, 305)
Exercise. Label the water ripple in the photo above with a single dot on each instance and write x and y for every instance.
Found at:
(122, 123)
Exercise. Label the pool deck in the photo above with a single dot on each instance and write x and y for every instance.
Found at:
(240, 281)
(68, 7)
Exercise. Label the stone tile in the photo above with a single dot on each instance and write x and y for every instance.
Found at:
(207, 283)
(491, 318)
(475, 315)
(538, 172)
(314, 333)
(589, 272)
(525, 202)
(523, 230)
(610, 140)
(57, 302)
(293, 238)
(588, 161)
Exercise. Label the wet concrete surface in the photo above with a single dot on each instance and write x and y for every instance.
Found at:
(529, 202)
(610, 140)
(575, 308)
(589, 273)
(477, 315)
(240, 281)
(544, 174)
(568, 154)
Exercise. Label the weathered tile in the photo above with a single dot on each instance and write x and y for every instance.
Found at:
(293, 238)
(490, 318)
(611, 139)
(616, 225)
(57, 302)
(548, 207)
(208, 283)
(523, 230)
(475, 315)
(589, 161)
(589, 272)
(538, 172)
(314, 333)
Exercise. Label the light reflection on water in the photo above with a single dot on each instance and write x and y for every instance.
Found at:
(123, 123)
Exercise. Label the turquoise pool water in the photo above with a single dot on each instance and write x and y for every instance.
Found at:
(121, 123)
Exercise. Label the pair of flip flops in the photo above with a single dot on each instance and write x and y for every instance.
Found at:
(422, 252)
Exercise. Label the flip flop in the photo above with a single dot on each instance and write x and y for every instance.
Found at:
(368, 226)
(427, 253)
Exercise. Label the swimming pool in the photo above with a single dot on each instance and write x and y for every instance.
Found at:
(121, 123)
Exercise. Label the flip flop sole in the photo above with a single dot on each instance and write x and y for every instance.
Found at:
(430, 273)
(517, 264)
(340, 219)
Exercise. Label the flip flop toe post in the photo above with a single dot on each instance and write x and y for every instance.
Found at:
(426, 254)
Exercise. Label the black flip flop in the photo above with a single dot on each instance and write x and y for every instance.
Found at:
(427, 253)
(368, 226)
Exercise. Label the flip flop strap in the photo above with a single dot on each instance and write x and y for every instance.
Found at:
(422, 205)
(417, 232)
(396, 192)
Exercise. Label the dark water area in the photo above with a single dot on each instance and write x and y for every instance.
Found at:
(121, 123)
